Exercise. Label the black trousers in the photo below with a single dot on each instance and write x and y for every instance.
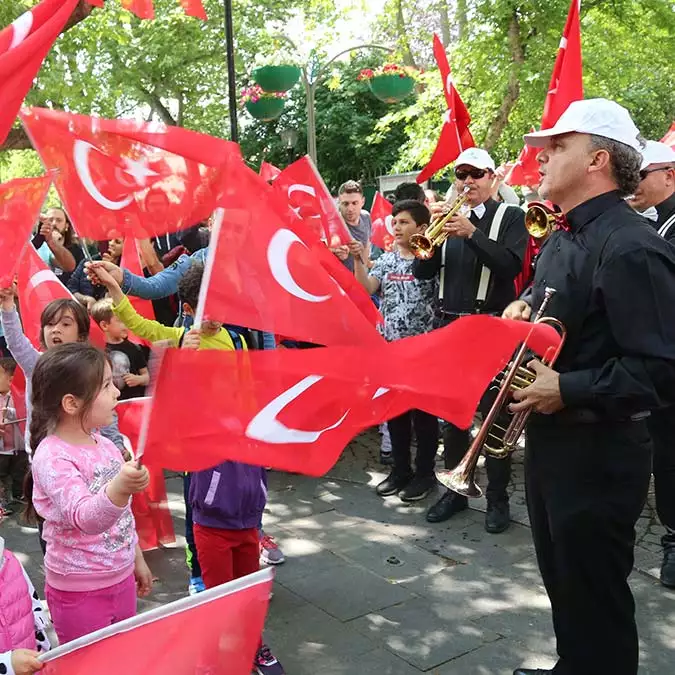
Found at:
(426, 433)
(586, 485)
(661, 425)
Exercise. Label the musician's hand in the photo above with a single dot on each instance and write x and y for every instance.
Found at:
(543, 395)
(438, 209)
(518, 310)
(459, 226)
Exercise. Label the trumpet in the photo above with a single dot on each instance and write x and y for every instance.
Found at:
(541, 221)
(423, 245)
(495, 440)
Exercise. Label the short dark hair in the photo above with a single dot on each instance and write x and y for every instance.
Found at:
(410, 191)
(625, 163)
(190, 283)
(350, 187)
(8, 364)
(56, 308)
(419, 212)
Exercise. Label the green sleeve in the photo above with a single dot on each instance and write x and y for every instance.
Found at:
(145, 328)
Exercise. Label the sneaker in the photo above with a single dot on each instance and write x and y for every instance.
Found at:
(196, 586)
(392, 484)
(270, 553)
(265, 663)
(418, 488)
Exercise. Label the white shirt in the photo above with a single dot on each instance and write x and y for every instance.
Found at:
(479, 211)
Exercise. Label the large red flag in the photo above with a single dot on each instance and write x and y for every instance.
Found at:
(455, 135)
(306, 193)
(669, 138)
(20, 202)
(24, 44)
(194, 8)
(131, 261)
(124, 178)
(566, 86)
(269, 172)
(382, 234)
(144, 9)
(38, 286)
(261, 273)
(216, 632)
(296, 410)
(150, 507)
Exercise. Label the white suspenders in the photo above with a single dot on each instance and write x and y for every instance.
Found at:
(665, 228)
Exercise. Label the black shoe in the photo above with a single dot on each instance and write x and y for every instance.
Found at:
(497, 517)
(532, 671)
(668, 566)
(386, 458)
(392, 484)
(446, 507)
(418, 488)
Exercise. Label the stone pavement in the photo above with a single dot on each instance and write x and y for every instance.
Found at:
(370, 587)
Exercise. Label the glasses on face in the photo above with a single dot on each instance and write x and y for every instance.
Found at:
(645, 172)
(463, 174)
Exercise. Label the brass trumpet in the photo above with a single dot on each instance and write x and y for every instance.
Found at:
(423, 245)
(502, 440)
(541, 221)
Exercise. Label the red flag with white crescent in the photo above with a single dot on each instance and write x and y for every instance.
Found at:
(296, 410)
(125, 178)
(382, 234)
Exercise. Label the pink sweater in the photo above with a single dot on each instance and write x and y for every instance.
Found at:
(90, 541)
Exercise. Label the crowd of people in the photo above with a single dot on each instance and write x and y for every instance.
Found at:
(596, 420)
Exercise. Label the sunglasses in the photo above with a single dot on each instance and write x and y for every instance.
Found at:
(645, 172)
(463, 174)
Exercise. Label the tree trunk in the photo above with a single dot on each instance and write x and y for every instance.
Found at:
(408, 58)
(445, 23)
(517, 48)
(460, 18)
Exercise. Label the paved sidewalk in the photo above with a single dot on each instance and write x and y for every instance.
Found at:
(370, 587)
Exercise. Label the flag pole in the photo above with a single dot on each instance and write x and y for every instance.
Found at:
(231, 76)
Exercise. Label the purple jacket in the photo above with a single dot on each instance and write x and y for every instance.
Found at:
(231, 496)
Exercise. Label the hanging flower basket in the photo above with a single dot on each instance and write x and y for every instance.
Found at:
(390, 83)
(277, 78)
(262, 105)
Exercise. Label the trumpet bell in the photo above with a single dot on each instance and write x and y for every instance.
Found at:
(461, 482)
(421, 246)
(538, 222)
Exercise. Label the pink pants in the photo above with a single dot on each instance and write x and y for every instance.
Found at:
(76, 613)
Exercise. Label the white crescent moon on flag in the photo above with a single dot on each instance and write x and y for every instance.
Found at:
(81, 150)
(277, 259)
(22, 27)
(448, 83)
(298, 187)
(380, 392)
(388, 224)
(41, 277)
(266, 427)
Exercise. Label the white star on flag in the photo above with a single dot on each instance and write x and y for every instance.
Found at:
(139, 170)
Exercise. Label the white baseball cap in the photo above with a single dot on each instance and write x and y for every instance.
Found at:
(597, 116)
(476, 157)
(657, 153)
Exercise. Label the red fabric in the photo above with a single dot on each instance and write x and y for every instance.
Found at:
(296, 410)
(194, 8)
(260, 272)
(382, 234)
(20, 202)
(669, 138)
(225, 555)
(150, 507)
(523, 279)
(269, 172)
(143, 9)
(131, 261)
(455, 135)
(525, 171)
(18, 389)
(305, 192)
(125, 178)
(24, 44)
(38, 286)
(213, 633)
(565, 87)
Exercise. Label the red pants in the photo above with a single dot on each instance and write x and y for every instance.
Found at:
(226, 554)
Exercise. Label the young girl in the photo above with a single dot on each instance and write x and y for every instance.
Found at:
(94, 566)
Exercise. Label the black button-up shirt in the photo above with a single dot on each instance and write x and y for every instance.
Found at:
(464, 260)
(620, 357)
(666, 210)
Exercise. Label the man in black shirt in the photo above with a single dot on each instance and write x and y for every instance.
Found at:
(477, 266)
(588, 456)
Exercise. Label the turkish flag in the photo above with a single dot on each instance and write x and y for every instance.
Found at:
(304, 190)
(669, 138)
(268, 172)
(150, 507)
(382, 234)
(296, 410)
(194, 8)
(566, 86)
(20, 202)
(455, 135)
(131, 261)
(216, 632)
(24, 44)
(38, 286)
(124, 178)
(261, 273)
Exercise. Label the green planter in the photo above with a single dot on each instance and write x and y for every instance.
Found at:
(391, 88)
(265, 109)
(276, 78)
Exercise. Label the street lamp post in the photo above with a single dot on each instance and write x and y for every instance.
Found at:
(289, 137)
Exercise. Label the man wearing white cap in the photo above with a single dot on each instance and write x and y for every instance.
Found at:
(476, 266)
(588, 455)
